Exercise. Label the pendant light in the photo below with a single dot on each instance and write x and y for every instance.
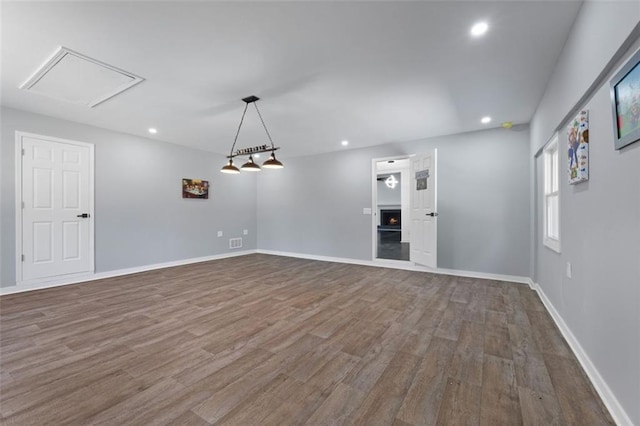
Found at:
(230, 168)
(250, 165)
(272, 162)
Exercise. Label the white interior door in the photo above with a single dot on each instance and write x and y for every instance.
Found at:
(57, 203)
(424, 221)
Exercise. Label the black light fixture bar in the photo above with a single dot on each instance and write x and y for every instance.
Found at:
(253, 150)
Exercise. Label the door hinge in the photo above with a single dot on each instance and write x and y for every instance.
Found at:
(22, 258)
(22, 151)
(23, 204)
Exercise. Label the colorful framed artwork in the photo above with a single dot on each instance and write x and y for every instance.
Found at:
(578, 148)
(195, 188)
(625, 103)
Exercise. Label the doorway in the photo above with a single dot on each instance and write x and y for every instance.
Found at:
(54, 208)
(405, 215)
(392, 219)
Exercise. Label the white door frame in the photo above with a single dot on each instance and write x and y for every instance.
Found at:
(374, 209)
(18, 207)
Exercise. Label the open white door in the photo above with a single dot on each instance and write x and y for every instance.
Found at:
(56, 196)
(424, 230)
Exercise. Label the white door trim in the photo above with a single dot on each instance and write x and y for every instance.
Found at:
(18, 206)
(374, 204)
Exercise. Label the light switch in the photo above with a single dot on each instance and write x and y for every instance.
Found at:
(568, 269)
(219, 233)
(245, 232)
(366, 210)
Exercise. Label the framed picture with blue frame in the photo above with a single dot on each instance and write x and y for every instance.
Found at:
(625, 102)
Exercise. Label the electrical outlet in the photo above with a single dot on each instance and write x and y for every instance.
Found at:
(568, 269)
(245, 232)
(219, 233)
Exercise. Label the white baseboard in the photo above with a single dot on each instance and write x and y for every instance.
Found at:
(75, 279)
(379, 263)
(399, 264)
(531, 284)
(485, 275)
(608, 398)
(382, 264)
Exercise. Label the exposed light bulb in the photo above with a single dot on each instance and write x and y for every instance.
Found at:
(391, 181)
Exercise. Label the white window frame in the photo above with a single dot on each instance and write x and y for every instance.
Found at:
(551, 188)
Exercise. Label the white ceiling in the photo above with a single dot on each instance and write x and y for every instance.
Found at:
(367, 72)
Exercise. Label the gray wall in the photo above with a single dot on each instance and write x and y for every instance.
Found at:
(136, 227)
(483, 202)
(599, 219)
(599, 30)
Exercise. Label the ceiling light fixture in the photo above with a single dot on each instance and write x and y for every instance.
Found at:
(486, 120)
(391, 181)
(345, 143)
(250, 165)
(153, 131)
(479, 29)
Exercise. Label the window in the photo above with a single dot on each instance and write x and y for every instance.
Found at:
(551, 196)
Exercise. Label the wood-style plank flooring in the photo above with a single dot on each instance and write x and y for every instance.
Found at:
(266, 340)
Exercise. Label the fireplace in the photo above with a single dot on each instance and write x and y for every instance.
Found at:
(390, 219)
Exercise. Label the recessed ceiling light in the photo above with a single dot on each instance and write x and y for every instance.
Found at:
(486, 120)
(479, 29)
(256, 155)
(345, 143)
(153, 130)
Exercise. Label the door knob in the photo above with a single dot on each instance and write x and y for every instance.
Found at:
(83, 215)
(432, 214)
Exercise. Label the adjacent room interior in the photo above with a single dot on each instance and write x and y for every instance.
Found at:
(392, 209)
(320, 213)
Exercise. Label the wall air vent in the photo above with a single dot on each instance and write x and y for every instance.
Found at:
(235, 243)
(76, 78)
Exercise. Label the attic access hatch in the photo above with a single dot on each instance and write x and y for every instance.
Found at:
(76, 78)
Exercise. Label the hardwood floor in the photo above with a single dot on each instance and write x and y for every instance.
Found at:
(266, 340)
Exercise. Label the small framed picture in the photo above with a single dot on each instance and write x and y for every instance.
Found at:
(625, 103)
(195, 188)
(578, 148)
